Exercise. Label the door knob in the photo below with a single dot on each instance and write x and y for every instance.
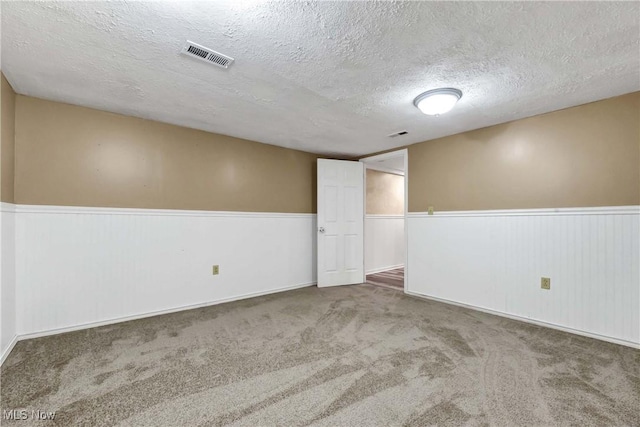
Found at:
(321, 229)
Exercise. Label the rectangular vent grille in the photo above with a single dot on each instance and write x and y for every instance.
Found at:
(195, 51)
(202, 53)
(402, 132)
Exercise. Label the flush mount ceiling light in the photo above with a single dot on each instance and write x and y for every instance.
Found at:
(437, 101)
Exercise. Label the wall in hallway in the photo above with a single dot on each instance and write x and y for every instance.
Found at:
(384, 223)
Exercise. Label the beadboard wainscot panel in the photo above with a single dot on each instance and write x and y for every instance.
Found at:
(81, 267)
(8, 320)
(493, 261)
(384, 244)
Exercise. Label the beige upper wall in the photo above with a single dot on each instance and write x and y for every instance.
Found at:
(579, 157)
(385, 193)
(76, 156)
(67, 155)
(7, 136)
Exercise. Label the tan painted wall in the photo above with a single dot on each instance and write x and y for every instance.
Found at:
(385, 193)
(67, 155)
(76, 156)
(7, 135)
(579, 157)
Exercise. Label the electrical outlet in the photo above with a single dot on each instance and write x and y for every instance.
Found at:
(216, 270)
(545, 283)
(430, 210)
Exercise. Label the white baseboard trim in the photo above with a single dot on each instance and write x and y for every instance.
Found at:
(527, 320)
(6, 353)
(379, 270)
(90, 325)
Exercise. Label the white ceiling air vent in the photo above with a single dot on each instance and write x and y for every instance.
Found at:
(207, 55)
(402, 132)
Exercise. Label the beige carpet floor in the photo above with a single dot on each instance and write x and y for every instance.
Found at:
(347, 356)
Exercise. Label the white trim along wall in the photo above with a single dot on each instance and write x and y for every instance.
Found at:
(493, 261)
(79, 267)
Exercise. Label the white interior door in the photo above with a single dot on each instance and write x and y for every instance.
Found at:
(340, 222)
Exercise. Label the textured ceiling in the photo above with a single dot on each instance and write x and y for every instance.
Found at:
(327, 77)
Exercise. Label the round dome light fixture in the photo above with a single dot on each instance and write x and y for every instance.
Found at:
(437, 101)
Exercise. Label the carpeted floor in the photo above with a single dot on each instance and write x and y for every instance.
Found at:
(345, 356)
(393, 279)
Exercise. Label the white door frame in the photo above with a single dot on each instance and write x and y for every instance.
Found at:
(369, 163)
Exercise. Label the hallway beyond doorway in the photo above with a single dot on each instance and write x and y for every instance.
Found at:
(393, 279)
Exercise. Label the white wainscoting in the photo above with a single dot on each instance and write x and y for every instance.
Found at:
(79, 267)
(493, 261)
(384, 245)
(8, 329)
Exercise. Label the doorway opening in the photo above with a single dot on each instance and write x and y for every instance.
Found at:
(385, 219)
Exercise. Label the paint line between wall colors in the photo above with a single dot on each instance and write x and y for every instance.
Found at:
(74, 210)
(604, 210)
(7, 207)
